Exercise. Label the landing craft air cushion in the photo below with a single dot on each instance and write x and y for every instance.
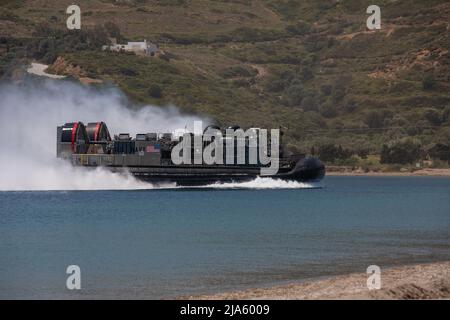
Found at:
(148, 157)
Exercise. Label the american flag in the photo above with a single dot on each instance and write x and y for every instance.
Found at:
(152, 149)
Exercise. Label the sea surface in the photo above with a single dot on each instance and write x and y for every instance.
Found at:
(166, 243)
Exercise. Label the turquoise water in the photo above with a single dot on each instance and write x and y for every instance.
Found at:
(169, 243)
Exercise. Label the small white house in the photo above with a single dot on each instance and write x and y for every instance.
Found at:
(141, 47)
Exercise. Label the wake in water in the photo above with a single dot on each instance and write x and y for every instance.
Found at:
(264, 183)
(29, 115)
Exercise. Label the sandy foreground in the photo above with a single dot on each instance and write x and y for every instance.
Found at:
(421, 172)
(424, 281)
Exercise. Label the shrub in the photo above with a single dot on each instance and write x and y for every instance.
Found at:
(440, 151)
(328, 109)
(402, 151)
(306, 73)
(275, 85)
(295, 95)
(446, 114)
(113, 31)
(155, 91)
(374, 119)
(299, 28)
(309, 103)
(428, 82)
(238, 71)
(128, 72)
(433, 116)
(331, 152)
(326, 89)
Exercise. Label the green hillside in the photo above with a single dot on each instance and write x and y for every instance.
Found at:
(309, 66)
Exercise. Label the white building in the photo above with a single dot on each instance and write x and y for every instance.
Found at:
(142, 47)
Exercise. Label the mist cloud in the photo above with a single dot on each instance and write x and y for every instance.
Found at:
(30, 113)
